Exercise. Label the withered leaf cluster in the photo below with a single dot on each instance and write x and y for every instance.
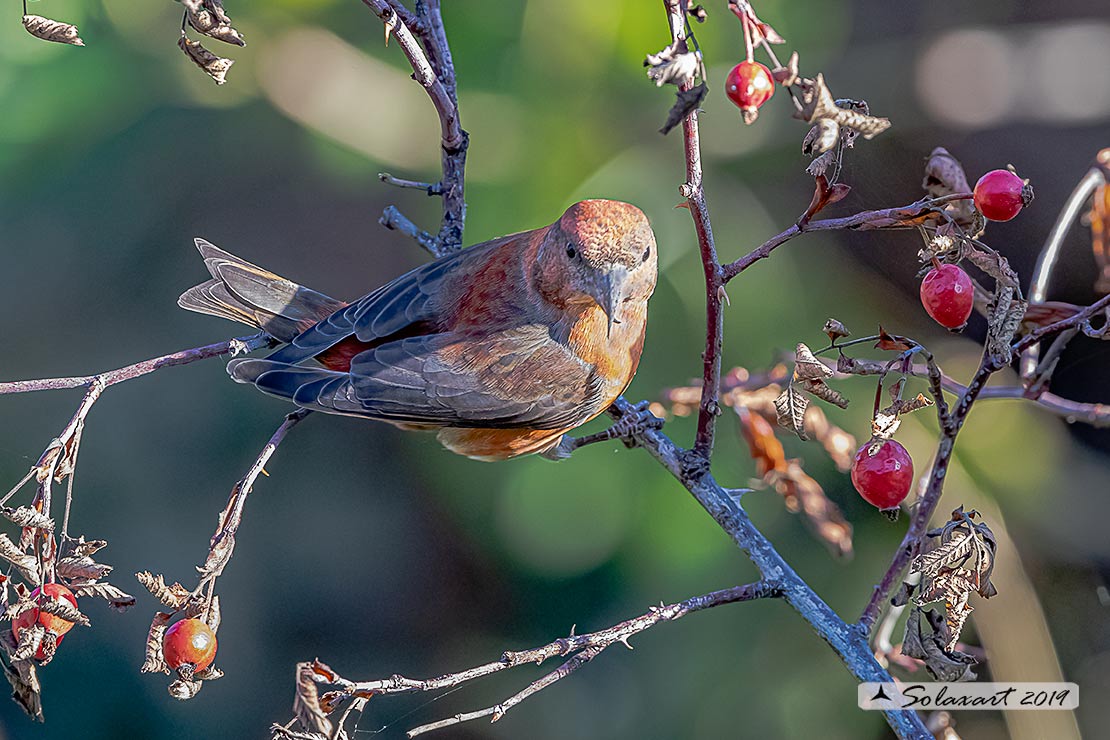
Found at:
(959, 564)
(809, 377)
(209, 18)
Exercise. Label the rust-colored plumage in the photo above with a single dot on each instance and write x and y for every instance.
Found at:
(502, 347)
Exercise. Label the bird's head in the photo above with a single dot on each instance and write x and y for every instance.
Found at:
(599, 252)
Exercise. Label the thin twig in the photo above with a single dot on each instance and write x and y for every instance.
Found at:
(580, 648)
(235, 346)
(865, 219)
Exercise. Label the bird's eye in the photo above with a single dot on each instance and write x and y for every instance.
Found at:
(571, 251)
(647, 253)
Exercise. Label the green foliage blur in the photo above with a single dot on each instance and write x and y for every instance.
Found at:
(378, 551)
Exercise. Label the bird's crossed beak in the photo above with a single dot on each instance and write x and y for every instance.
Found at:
(609, 294)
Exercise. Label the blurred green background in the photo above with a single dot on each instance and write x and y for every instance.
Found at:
(378, 551)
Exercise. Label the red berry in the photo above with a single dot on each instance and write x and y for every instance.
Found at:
(947, 295)
(749, 85)
(1000, 195)
(883, 479)
(189, 642)
(51, 623)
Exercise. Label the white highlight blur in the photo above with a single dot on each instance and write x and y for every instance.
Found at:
(982, 78)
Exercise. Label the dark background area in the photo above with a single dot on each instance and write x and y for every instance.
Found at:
(380, 552)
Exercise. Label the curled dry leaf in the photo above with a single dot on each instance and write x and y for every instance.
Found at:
(51, 30)
(820, 139)
(184, 689)
(944, 175)
(306, 702)
(117, 599)
(29, 640)
(825, 392)
(63, 610)
(807, 366)
(924, 641)
(819, 103)
(82, 568)
(214, 66)
(174, 596)
(892, 342)
(211, 673)
(23, 677)
(26, 564)
(154, 662)
(835, 329)
(791, 408)
(787, 75)
(77, 548)
(25, 516)
(685, 102)
(824, 195)
(210, 18)
(679, 69)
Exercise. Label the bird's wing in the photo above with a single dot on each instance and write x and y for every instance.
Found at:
(393, 309)
(515, 378)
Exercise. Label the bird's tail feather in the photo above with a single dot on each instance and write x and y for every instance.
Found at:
(243, 292)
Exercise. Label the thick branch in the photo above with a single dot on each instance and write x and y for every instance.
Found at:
(848, 641)
(433, 68)
(692, 190)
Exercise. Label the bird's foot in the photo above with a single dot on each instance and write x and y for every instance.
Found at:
(635, 418)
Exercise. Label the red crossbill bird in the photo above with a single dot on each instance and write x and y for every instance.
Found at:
(502, 347)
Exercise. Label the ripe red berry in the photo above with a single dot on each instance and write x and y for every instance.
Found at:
(947, 295)
(883, 479)
(51, 623)
(189, 642)
(749, 85)
(1000, 195)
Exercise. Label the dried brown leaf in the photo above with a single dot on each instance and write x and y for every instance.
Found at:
(26, 564)
(807, 366)
(25, 516)
(825, 392)
(174, 596)
(63, 610)
(82, 568)
(117, 599)
(210, 18)
(214, 66)
(944, 175)
(791, 410)
(154, 661)
(77, 548)
(679, 69)
(821, 138)
(685, 102)
(51, 30)
(306, 702)
(183, 689)
(892, 343)
(23, 677)
(835, 329)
